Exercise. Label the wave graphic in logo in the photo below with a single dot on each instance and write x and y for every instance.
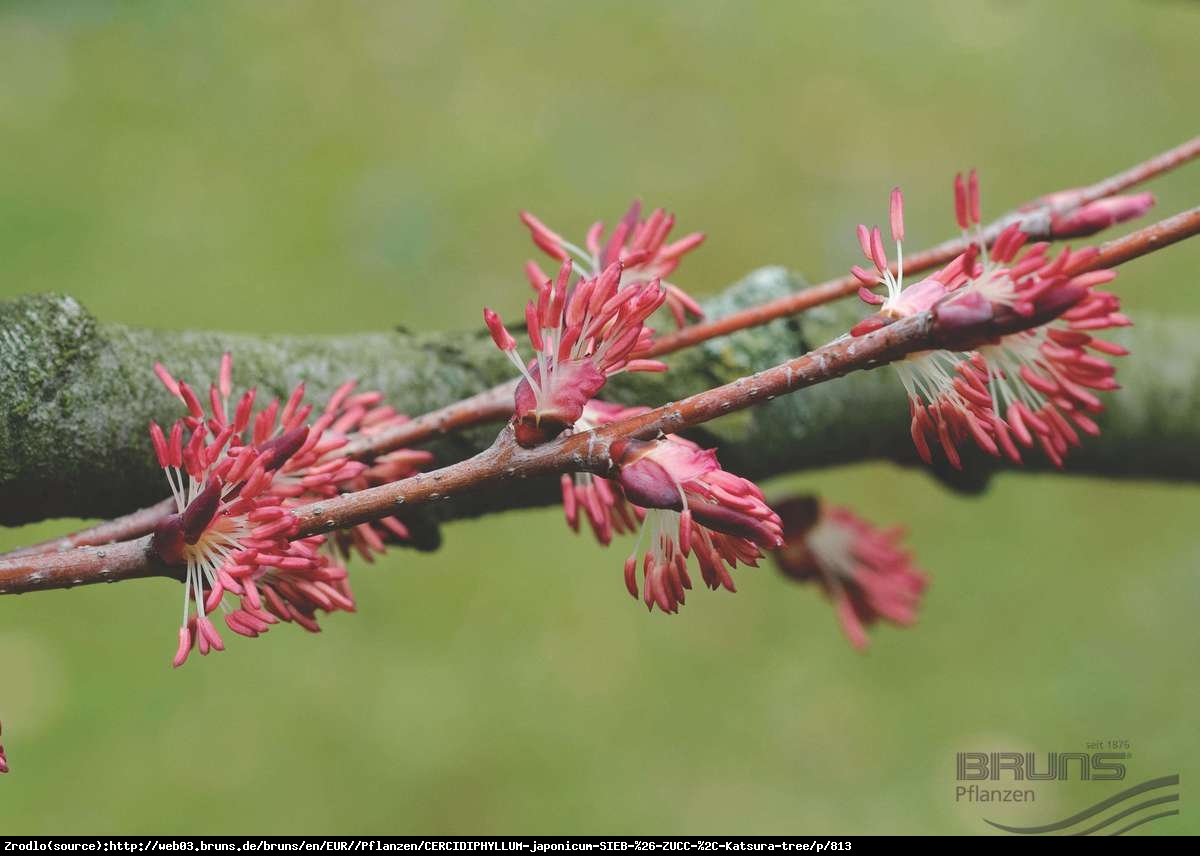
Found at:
(1121, 801)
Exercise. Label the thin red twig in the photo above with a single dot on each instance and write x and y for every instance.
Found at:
(123, 528)
(491, 405)
(125, 560)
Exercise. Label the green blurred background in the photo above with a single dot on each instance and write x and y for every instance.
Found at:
(320, 167)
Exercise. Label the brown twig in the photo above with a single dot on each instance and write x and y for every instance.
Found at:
(492, 405)
(588, 451)
(585, 451)
(1138, 173)
(126, 560)
(123, 528)
(1154, 237)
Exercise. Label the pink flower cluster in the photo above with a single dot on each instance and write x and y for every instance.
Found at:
(860, 568)
(670, 489)
(581, 336)
(639, 245)
(3, 757)
(682, 501)
(1033, 387)
(586, 329)
(235, 478)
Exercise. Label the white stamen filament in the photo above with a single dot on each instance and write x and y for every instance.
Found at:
(1005, 361)
(587, 261)
(833, 548)
(895, 284)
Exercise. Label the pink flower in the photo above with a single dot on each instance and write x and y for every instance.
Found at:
(1044, 380)
(900, 301)
(1040, 382)
(347, 418)
(688, 504)
(998, 391)
(230, 531)
(639, 245)
(320, 469)
(860, 568)
(3, 758)
(679, 497)
(235, 481)
(581, 337)
(291, 587)
(946, 405)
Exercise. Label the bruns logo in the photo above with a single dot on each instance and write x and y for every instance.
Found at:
(1040, 766)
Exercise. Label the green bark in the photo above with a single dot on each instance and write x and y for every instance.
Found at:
(76, 395)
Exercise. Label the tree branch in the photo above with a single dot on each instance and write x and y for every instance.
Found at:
(126, 560)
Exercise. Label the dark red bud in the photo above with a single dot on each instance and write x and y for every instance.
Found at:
(275, 453)
(168, 540)
(798, 515)
(201, 511)
(645, 482)
(869, 325)
(961, 312)
(575, 383)
(722, 518)
(529, 433)
(1058, 300)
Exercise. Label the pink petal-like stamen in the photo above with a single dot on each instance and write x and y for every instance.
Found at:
(640, 245)
(896, 215)
(580, 336)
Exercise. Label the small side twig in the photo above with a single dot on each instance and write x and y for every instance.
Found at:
(123, 528)
(126, 560)
(492, 405)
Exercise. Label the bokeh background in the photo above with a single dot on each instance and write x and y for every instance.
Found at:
(320, 167)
